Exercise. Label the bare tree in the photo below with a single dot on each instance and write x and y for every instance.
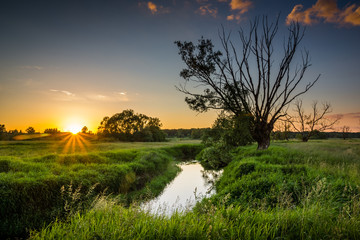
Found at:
(345, 132)
(282, 129)
(245, 80)
(308, 124)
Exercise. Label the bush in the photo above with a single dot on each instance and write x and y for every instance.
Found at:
(215, 157)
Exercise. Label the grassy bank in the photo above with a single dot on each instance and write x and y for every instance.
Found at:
(290, 191)
(36, 188)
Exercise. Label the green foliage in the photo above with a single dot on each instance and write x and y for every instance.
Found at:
(37, 189)
(216, 156)
(232, 130)
(107, 220)
(129, 126)
(227, 132)
(292, 190)
(277, 193)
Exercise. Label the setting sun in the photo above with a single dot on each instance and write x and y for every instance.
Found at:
(74, 128)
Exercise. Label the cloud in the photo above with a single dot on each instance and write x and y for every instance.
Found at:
(154, 9)
(63, 95)
(63, 91)
(355, 115)
(109, 97)
(326, 10)
(239, 7)
(207, 10)
(32, 67)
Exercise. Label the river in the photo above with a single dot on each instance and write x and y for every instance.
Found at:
(191, 185)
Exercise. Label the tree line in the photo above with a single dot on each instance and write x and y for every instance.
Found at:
(124, 126)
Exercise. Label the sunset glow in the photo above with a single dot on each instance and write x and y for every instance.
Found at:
(74, 128)
(57, 64)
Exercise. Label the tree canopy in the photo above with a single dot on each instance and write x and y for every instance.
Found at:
(245, 79)
(130, 126)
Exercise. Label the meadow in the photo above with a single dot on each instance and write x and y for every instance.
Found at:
(45, 180)
(293, 190)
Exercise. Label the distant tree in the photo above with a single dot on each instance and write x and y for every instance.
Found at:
(30, 130)
(2, 128)
(282, 130)
(51, 130)
(13, 132)
(2, 132)
(246, 80)
(316, 121)
(84, 129)
(345, 132)
(128, 126)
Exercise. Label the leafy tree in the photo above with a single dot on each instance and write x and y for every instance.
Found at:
(30, 130)
(246, 80)
(84, 129)
(230, 129)
(128, 126)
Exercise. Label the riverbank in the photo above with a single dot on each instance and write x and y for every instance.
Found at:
(36, 188)
(283, 192)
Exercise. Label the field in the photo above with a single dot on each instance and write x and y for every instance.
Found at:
(39, 182)
(293, 190)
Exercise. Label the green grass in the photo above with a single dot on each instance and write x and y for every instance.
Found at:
(38, 185)
(290, 191)
(28, 149)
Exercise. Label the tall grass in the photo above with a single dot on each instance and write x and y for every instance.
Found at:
(30, 186)
(285, 192)
(107, 220)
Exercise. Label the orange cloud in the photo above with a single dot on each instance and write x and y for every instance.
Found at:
(326, 10)
(154, 9)
(241, 7)
(351, 15)
(207, 10)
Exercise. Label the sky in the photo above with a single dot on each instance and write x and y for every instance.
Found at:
(75, 62)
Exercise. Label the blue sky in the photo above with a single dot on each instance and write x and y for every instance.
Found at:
(77, 61)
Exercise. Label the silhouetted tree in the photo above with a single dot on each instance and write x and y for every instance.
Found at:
(246, 80)
(128, 126)
(345, 132)
(316, 121)
(2, 128)
(84, 129)
(51, 130)
(282, 130)
(30, 130)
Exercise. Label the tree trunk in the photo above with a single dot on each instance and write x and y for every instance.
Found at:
(263, 143)
(305, 139)
(261, 134)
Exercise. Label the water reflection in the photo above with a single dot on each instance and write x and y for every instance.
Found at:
(191, 185)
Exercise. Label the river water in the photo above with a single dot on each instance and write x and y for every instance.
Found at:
(191, 185)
